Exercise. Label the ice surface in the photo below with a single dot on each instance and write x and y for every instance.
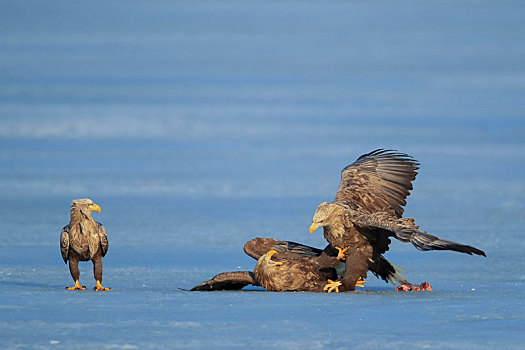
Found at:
(199, 125)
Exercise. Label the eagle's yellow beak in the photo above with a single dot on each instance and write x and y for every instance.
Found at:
(95, 207)
(271, 252)
(269, 258)
(313, 227)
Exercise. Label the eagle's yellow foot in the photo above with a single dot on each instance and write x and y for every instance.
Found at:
(342, 253)
(360, 283)
(77, 286)
(331, 286)
(99, 288)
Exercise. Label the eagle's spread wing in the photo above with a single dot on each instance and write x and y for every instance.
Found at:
(406, 231)
(103, 239)
(298, 249)
(285, 249)
(64, 243)
(228, 281)
(379, 180)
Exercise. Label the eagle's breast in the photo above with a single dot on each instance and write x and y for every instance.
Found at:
(84, 239)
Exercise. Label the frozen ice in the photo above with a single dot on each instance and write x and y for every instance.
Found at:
(200, 125)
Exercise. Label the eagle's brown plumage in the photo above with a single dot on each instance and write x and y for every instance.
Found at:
(367, 210)
(84, 239)
(233, 280)
(381, 267)
(286, 275)
(258, 246)
(302, 268)
(379, 180)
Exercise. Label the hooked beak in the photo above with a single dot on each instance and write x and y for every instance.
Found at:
(313, 227)
(270, 253)
(95, 207)
(269, 258)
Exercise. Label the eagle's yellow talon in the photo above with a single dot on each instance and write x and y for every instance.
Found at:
(99, 287)
(77, 286)
(331, 286)
(341, 255)
(360, 283)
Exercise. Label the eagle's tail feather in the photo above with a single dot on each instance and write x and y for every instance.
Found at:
(396, 277)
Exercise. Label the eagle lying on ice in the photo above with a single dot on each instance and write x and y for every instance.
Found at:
(290, 266)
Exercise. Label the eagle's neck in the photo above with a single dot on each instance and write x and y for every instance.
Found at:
(340, 233)
(334, 234)
(264, 273)
(77, 217)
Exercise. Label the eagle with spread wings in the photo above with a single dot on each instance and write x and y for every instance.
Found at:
(84, 239)
(368, 210)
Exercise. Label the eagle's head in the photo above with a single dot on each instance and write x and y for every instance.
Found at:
(85, 206)
(327, 214)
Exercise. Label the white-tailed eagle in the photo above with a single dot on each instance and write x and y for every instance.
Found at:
(367, 211)
(84, 239)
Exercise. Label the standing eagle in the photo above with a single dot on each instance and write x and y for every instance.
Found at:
(84, 239)
(289, 266)
(368, 210)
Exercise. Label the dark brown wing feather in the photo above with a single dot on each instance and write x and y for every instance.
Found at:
(64, 243)
(285, 249)
(227, 281)
(379, 180)
(406, 231)
(103, 239)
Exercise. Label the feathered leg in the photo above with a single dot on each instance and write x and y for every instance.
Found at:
(75, 273)
(356, 267)
(97, 273)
